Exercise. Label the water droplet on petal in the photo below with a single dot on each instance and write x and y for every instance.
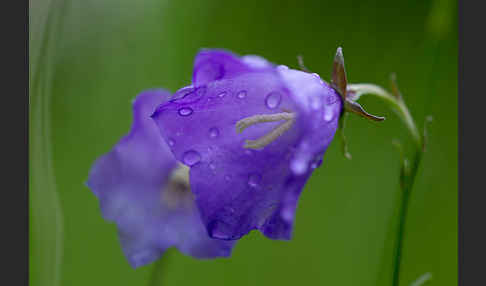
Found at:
(254, 180)
(191, 157)
(316, 163)
(273, 99)
(213, 132)
(220, 230)
(298, 166)
(171, 142)
(227, 178)
(188, 94)
(315, 102)
(241, 94)
(185, 111)
(182, 92)
(287, 214)
(212, 166)
(328, 114)
(222, 94)
(282, 67)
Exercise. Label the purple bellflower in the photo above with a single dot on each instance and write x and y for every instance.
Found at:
(251, 133)
(145, 191)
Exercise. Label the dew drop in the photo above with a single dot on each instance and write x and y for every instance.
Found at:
(191, 157)
(315, 103)
(254, 180)
(316, 163)
(185, 111)
(171, 142)
(287, 214)
(219, 230)
(182, 93)
(213, 132)
(241, 94)
(219, 235)
(227, 178)
(298, 166)
(188, 94)
(328, 114)
(222, 94)
(212, 166)
(273, 99)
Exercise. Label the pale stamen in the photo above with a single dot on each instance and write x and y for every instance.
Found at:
(177, 192)
(273, 134)
(260, 118)
(180, 174)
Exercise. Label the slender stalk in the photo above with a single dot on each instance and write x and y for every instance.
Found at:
(396, 103)
(409, 169)
(406, 193)
(156, 271)
(157, 274)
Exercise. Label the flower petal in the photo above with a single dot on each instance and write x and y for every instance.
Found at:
(211, 65)
(320, 108)
(131, 183)
(238, 189)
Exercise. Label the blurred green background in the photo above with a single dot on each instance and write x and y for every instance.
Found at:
(89, 59)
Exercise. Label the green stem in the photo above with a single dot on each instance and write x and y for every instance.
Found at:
(408, 172)
(157, 274)
(407, 185)
(394, 102)
(155, 277)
